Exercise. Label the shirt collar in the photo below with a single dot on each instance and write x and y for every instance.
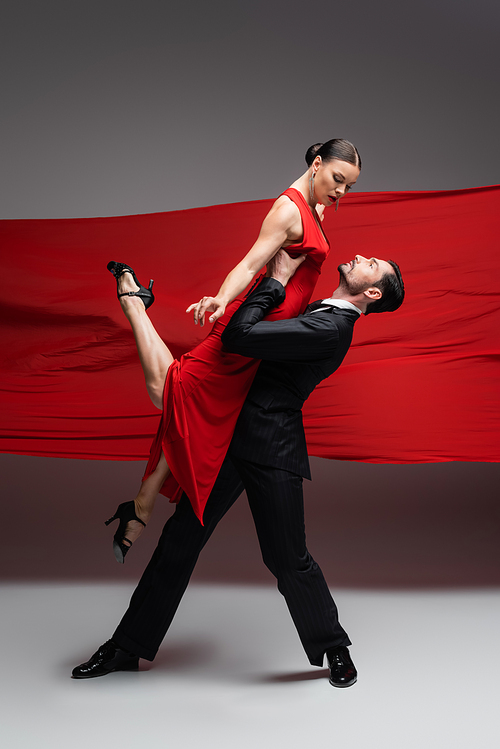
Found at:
(342, 304)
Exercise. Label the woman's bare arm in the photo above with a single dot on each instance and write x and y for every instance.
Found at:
(281, 226)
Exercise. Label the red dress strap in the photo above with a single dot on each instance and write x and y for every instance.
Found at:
(314, 240)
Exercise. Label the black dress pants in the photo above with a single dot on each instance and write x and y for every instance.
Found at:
(276, 501)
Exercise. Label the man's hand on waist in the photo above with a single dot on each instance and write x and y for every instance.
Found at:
(282, 267)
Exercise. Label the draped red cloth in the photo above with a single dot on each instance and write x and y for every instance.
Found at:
(418, 385)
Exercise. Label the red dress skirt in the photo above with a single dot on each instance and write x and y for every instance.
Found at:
(205, 390)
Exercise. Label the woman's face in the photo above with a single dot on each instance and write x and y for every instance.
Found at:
(333, 179)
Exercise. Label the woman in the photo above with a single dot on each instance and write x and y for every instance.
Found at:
(200, 402)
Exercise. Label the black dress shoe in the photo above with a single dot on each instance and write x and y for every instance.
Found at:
(108, 658)
(342, 670)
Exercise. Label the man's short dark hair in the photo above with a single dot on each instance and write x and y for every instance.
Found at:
(393, 292)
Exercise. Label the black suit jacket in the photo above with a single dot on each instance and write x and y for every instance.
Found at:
(297, 354)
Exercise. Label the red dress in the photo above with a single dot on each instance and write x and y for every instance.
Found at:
(205, 390)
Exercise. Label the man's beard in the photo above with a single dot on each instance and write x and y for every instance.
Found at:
(350, 285)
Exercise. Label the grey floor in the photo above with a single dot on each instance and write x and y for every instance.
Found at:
(231, 672)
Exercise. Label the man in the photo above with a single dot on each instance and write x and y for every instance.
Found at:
(268, 457)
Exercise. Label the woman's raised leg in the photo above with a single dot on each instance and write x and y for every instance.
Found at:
(154, 355)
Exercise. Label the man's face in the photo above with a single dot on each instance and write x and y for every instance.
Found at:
(362, 272)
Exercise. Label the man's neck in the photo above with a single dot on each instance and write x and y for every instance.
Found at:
(341, 295)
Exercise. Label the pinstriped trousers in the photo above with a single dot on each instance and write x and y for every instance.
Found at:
(276, 501)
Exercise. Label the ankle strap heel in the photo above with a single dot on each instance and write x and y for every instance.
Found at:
(118, 269)
(121, 544)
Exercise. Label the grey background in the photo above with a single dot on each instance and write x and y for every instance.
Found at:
(112, 108)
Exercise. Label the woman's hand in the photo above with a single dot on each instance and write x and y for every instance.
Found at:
(207, 304)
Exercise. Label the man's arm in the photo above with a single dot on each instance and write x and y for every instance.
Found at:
(305, 338)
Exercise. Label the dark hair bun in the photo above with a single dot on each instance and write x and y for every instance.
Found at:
(311, 153)
(337, 148)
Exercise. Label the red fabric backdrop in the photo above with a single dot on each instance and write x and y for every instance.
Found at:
(418, 385)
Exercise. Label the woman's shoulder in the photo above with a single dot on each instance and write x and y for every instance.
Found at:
(293, 195)
(296, 197)
(284, 212)
(287, 200)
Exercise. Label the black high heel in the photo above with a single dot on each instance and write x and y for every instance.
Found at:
(125, 513)
(118, 269)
